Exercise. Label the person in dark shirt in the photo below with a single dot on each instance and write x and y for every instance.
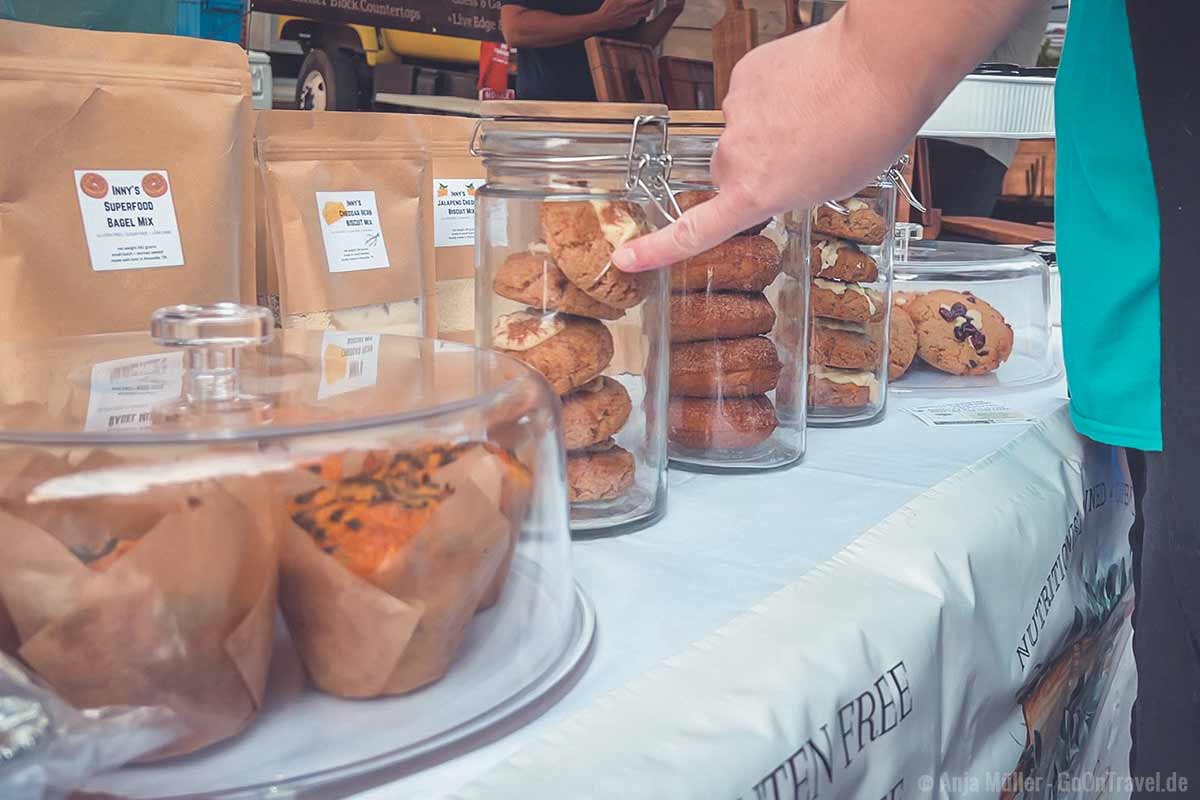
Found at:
(548, 34)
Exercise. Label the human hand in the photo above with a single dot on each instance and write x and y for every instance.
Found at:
(817, 115)
(798, 131)
(619, 14)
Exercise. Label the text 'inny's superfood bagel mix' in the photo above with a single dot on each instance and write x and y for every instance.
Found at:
(126, 178)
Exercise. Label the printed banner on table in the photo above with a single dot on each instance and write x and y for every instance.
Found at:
(467, 19)
(974, 644)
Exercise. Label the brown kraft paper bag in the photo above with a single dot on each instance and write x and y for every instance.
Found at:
(160, 597)
(346, 196)
(457, 175)
(126, 178)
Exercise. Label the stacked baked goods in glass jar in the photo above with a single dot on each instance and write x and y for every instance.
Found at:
(737, 376)
(850, 257)
(559, 200)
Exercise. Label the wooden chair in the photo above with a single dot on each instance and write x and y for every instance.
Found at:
(624, 72)
(734, 35)
(687, 83)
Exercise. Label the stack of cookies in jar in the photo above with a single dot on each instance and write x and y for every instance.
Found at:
(724, 366)
(849, 316)
(570, 291)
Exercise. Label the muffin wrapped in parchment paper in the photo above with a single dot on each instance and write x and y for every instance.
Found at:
(390, 554)
(129, 584)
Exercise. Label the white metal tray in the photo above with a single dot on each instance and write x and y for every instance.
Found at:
(996, 107)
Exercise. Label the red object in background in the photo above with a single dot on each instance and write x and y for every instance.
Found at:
(493, 67)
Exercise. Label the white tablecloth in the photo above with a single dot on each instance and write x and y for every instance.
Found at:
(728, 543)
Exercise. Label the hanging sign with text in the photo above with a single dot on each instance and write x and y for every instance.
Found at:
(466, 19)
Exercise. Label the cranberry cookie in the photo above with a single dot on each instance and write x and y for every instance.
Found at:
(960, 334)
(720, 424)
(864, 224)
(846, 345)
(534, 279)
(719, 315)
(724, 367)
(582, 237)
(902, 343)
(601, 472)
(850, 302)
(742, 264)
(829, 387)
(569, 351)
(594, 412)
(838, 260)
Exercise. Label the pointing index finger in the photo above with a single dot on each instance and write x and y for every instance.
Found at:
(700, 228)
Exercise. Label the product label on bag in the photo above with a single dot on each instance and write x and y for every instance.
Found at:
(124, 391)
(129, 219)
(351, 230)
(454, 211)
(349, 361)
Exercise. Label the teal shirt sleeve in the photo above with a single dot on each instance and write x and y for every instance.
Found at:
(1107, 230)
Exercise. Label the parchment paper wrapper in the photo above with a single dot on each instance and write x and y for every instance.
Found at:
(183, 620)
(400, 629)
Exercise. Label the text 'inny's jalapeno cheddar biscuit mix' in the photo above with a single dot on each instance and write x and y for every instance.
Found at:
(345, 198)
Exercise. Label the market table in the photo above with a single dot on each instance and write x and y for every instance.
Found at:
(777, 628)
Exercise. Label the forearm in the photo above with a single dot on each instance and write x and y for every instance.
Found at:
(817, 115)
(912, 63)
(865, 78)
(523, 27)
(654, 31)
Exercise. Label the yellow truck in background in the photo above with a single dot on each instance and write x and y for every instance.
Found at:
(345, 53)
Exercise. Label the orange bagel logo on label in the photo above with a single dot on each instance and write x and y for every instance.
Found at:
(154, 184)
(94, 185)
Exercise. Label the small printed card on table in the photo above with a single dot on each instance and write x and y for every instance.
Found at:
(969, 412)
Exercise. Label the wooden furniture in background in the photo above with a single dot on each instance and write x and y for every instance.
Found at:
(801, 14)
(998, 231)
(793, 21)
(904, 211)
(687, 83)
(922, 183)
(734, 35)
(1031, 174)
(1030, 177)
(624, 72)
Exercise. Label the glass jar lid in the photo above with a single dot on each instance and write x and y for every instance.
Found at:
(559, 134)
(596, 148)
(693, 140)
(968, 258)
(219, 373)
